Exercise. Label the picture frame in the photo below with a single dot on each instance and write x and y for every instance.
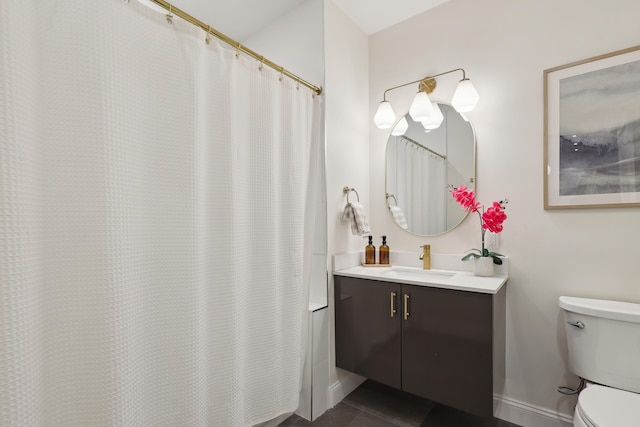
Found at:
(592, 132)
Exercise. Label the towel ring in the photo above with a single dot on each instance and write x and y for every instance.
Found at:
(394, 199)
(347, 190)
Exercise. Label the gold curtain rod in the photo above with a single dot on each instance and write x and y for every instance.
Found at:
(208, 29)
(423, 147)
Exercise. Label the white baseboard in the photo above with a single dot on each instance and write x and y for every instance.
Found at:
(527, 415)
(507, 409)
(345, 385)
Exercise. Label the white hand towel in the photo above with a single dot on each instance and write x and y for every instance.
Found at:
(354, 213)
(398, 215)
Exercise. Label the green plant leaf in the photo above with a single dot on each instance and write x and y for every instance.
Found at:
(497, 260)
(467, 257)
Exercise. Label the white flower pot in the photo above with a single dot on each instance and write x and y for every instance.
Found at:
(483, 266)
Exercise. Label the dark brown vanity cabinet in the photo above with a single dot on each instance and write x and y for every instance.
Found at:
(368, 331)
(441, 344)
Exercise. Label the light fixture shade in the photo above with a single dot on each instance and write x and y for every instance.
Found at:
(400, 128)
(421, 107)
(384, 117)
(435, 120)
(466, 96)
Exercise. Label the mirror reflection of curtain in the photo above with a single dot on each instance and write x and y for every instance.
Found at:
(419, 185)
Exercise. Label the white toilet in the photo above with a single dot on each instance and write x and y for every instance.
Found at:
(603, 339)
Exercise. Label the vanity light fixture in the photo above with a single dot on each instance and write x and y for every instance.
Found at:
(434, 120)
(384, 117)
(400, 128)
(422, 109)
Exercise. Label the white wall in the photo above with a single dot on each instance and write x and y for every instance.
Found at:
(295, 41)
(346, 130)
(504, 45)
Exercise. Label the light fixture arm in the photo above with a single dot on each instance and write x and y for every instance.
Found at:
(464, 77)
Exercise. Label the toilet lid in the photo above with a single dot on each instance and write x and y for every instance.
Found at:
(602, 406)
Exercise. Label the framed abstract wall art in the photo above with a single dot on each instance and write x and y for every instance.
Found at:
(592, 132)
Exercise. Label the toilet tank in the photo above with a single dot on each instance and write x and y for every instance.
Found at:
(603, 339)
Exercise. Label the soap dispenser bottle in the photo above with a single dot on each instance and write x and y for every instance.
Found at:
(384, 251)
(370, 252)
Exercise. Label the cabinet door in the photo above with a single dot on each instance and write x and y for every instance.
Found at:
(368, 329)
(447, 348)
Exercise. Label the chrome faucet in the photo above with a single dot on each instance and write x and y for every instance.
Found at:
(426, 257)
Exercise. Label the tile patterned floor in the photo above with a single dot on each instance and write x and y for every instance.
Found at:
(376, 405)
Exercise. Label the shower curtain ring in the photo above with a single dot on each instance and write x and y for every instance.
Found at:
(207, 39)
(169, 16)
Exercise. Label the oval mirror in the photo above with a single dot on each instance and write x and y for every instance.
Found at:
(421, 163)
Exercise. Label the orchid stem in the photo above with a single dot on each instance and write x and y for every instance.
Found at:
(482, 231)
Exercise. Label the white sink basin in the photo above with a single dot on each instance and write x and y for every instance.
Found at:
(418, 274)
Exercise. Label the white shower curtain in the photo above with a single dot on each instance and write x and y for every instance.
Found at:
(418, 181)
(155, 221)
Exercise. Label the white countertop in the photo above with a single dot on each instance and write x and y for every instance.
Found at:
(446, 279)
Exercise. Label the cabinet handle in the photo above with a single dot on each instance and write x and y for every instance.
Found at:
(393, 304)
(406, 306)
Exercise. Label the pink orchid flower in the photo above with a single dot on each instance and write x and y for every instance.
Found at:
(493, 218)
(466, 198)
(490, 220)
